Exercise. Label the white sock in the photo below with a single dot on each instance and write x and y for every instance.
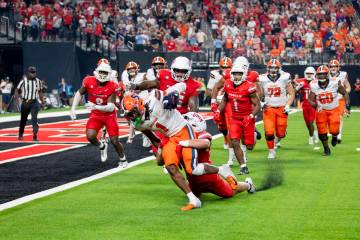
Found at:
(244, 150)
(243, 165)
(192, 198)
(231, 154)
(341, 128)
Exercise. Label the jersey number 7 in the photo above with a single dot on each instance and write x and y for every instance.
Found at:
(274, 92)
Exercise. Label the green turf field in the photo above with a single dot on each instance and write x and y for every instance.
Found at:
(319, 199)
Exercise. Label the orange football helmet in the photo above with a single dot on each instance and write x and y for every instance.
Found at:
(273, 67)
(334, 66)
(158, 60)
(133, 105)
(322, 73)
(225, 62)
(132, 68)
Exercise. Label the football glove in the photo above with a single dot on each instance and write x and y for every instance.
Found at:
(287, 109)
(170, 100)
(214, 107)
(217, 116)
(90, 106)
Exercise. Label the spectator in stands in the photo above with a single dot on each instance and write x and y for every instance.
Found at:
(62, 86)
(218, 45)
(201, 37)
(141, 41)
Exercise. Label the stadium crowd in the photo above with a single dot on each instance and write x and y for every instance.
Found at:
(292, 31)
(289, 30)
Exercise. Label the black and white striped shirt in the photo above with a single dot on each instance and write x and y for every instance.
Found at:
(30, 88)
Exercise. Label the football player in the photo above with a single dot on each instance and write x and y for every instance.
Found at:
(302, 85)
(215, 76)
(132, 75)
(179, 71)
(158, 113)
(324, 97)
(209, 183)
(240, 94)
(342, 76)
(101, 94)
(278, 94)
(156, 64)
(214, 105)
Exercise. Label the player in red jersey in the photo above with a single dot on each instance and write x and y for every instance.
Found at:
(209, 183)
(179, 71)
(240, 93)
(101, 94)
(252, 77)
(303, 86)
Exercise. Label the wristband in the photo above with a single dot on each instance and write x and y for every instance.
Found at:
(213, 100)
(251, 115)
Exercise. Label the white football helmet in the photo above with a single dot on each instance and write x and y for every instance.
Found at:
(196, 121)
(180, 69)
(310, 73)
(240, 65)
(102, 72)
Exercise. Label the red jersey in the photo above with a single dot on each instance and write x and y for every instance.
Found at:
(99, 94)
(192, 88)
(304, 90)
(239, 97)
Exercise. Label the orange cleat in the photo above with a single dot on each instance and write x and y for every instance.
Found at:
(188, 207)
(232, 182)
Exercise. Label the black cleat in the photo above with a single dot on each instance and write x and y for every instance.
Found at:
(35, 139)
(258, 134)
(334, 141)
(339, 141)
(244, 171)
(327, 152)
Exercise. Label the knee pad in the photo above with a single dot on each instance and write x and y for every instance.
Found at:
(323, 137)
(269, 137)
(199, 170)
(249, 147)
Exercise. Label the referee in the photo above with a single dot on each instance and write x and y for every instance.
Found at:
(31, 90)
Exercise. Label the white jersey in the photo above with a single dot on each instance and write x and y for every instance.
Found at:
(168, 122)
(150, 74)
(342, 76)
(139, 78)
(275, 91)
(215, 77)
(326, 98)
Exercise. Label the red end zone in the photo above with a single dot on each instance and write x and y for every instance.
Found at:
(63, 132)
(34, 151)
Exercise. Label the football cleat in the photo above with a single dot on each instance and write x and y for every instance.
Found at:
(339, 139)
(327, 152)
(103, 150)
(244, 170)
(272, 154)
(252, 188)
(123, 162)
(192, 205)
(334, 141)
